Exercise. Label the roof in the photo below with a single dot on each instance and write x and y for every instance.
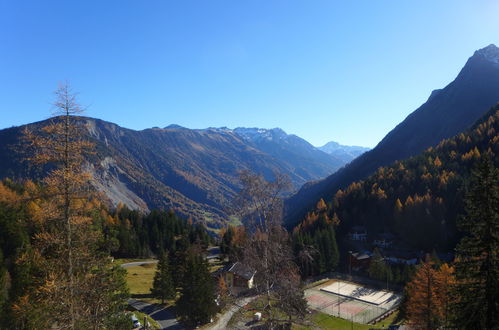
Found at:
(360, 256)
(242, 270)
(402, 254)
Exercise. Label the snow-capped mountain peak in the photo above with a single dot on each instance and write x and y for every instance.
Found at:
(252, 133)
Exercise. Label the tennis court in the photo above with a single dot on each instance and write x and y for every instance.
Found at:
(351, 301)
(358, 292)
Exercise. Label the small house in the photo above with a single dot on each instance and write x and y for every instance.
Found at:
(240, 278)
(359, 260)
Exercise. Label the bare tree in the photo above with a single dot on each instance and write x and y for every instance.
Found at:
(268, 248)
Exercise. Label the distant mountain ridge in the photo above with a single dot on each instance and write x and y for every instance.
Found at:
(346, 153)
(342, 154)
(446, 113)
(192, 171)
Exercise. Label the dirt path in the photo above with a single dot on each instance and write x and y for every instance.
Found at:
(221, 323)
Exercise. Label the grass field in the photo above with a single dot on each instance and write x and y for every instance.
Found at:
(392, 319)
(325, 321)
(139, 280)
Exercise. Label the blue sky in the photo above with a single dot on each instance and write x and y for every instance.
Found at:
(325, 70)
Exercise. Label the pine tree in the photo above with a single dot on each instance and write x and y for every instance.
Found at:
(377, 267)
(163, 287)
(4, 285)
(196, 304)
(335, 254)
(178, 261)
(477, 254)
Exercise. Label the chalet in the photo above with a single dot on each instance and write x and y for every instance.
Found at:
(402, 257)
(239, 278)
(359, 260)
(358, 233)
(383, 240)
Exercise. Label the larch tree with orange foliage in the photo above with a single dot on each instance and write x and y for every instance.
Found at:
(429, 295)
(445, 281)
(78, 288)
(422, 302)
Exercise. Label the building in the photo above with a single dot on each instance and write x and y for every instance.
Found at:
(239, 278)
(358, 233)
(402, 257)
(359, 260)
(383, 240)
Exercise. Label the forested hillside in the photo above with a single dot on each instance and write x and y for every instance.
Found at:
(194, 172)
(120, 233)
(447, 112)
(314, 242)
(419, 199)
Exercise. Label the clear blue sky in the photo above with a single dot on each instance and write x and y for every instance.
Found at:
(324, 70)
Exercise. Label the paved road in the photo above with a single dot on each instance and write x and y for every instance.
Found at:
(165, 317)
(221, 323)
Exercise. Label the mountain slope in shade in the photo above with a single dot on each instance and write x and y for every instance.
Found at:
(345, 153)
(192, 171)
(447, 112)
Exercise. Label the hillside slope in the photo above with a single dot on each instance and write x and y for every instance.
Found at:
(194, 172)
(418, 199)
(446, 113)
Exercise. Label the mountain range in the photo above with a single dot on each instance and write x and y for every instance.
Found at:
(447, 112)
(193, 171)
(346, 153)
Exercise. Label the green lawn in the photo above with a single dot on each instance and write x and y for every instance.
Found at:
(392, 319)
(139, 280)
(324, 321)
